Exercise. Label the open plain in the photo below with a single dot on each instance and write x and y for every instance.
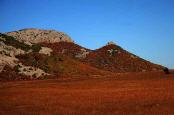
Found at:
(149, 93)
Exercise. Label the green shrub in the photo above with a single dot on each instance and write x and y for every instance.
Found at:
(9, 40)
(45, 68)
(34, 63)
(36, 48)
(16, 68)
(34, 75)
(24, 47)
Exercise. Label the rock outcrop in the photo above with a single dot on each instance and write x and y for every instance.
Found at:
(38, 36)
(111, 43)
(10, 48)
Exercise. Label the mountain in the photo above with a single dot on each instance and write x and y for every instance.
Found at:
(42, 54)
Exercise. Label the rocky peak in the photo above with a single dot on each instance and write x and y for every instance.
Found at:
(33, 35)
(111, 43)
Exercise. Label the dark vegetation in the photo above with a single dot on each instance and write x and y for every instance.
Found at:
(9, 40)
(166, 71)
(58, 65)
(50, 64)
(36, 47)
(9, 73)
(16, 68)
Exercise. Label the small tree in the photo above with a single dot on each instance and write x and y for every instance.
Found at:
(166, 71)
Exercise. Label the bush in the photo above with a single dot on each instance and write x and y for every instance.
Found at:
(34, 63)
(45, 68)
(16, 68)
(36, 48)
(24, 47)
(166, 71)
(34, 75)
(60, 59)
(9, 40)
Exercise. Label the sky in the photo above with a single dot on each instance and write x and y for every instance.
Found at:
(143, 27)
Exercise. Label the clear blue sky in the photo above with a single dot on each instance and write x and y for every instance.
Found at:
(143, 27)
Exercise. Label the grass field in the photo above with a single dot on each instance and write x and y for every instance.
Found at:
(123, 94)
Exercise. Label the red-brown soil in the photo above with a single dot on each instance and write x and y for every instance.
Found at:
(123, 94)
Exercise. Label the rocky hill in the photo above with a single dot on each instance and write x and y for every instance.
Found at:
(42, 54)
(37, 36)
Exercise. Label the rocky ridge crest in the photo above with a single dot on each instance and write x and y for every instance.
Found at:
(37, 36)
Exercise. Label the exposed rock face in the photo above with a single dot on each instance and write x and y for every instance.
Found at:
(38, 36)
(10, 50)
(7, 60)
(46, 51)
(82, 54)
(31, 71)
(8, 53)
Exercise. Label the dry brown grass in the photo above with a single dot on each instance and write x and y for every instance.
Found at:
(124, 94)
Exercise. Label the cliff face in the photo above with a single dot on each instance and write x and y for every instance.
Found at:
(38, 36)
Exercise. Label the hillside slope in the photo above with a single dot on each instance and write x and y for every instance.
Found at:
(42, 54)
(115, 59)
(20, 61)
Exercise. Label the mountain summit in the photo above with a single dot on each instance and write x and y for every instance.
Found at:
(111, 43)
